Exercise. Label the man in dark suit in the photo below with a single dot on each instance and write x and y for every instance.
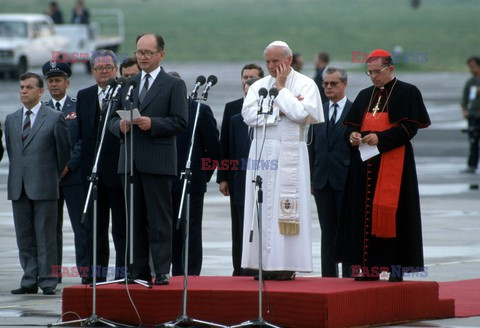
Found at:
(225, 177)
(321, 61)
(240, 140)
(71, 189)
(162, 102)
(38, 147)
(206, 146)
(329, 162)
(110, 192)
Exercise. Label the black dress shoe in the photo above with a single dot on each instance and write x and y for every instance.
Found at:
(48, 291)
(395, 279)
(87, 280)
(277, 275)
(25, 290)
(162, 279)
(367, 278)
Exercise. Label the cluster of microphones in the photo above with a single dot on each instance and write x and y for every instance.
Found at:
(211, 81)
(263, 94)
(114, 86)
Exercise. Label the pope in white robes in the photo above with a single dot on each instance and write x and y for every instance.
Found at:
(278, 154)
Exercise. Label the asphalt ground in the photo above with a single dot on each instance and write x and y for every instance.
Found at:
(449, 200)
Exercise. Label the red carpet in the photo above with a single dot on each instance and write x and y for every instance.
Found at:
(305, 302)
(466, 294)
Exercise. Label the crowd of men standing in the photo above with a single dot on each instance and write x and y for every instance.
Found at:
(61, 149)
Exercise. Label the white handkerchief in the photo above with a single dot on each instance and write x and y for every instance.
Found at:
(367, 152)
(125, 114)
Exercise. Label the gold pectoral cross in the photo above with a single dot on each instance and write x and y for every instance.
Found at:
(376, 108)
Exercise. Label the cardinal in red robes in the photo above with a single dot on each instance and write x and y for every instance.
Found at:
(380, 228)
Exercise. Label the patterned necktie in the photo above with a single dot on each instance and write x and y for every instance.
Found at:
(57, 105)
(333, 119)
(145, 89)
(27, 126)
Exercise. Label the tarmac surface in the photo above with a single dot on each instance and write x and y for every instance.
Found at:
(449, 200)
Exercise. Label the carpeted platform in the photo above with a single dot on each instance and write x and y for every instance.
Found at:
(304, 302)
(466, 294)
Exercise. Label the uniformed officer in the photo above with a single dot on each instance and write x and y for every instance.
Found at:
(71, 191)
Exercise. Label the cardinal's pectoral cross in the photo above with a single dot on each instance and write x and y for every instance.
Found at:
(376, 108)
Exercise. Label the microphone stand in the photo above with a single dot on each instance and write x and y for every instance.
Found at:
(184, 319)
(259, 322)
(93, 193)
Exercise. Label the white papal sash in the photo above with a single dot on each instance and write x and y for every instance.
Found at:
(288, 166)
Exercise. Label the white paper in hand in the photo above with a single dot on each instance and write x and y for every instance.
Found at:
(367, 152)
(125, 114)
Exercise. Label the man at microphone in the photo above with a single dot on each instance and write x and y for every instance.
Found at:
(90, 117)
(162, 101)
(281, 160)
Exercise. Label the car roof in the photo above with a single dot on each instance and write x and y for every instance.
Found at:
(23, 17)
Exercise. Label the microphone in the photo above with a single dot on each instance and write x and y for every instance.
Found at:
(198, 83)
(131, 85)
(120, 83)
(263, 93)
(211, 81)
(273, 93)
(110, 84)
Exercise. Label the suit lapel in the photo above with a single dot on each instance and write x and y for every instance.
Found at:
(154, 89)
(39, 120)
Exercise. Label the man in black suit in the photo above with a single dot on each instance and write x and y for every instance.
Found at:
(206, 146)
(225, 177)
(329, 162)
(71, 189)
(321, 61)
(90, 119)
(162, 102)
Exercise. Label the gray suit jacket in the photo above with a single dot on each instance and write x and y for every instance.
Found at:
(37, 164)
(155, 151)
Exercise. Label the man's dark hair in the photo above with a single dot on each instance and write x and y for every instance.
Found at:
(158, 37)
(253, 66)
(28, 75)
(130, 61)
(474, 59)
(323, 56)
(386, 60)
(295, 57)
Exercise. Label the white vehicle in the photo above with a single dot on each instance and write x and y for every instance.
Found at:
(106, 31)
(27, 41)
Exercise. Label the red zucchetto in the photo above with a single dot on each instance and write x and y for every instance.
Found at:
(379, 53)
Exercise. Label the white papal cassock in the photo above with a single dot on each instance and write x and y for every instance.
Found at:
(284, 168)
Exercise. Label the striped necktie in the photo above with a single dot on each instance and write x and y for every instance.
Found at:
(333, 119)
(27, 126)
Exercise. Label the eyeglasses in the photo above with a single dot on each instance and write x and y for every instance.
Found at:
(333, 84)
(376, 71)
(108, 68)
(147, 53)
